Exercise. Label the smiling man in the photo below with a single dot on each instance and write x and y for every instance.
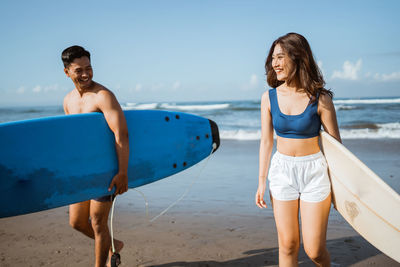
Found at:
(91, 217)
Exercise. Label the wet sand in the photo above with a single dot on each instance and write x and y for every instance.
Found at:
(216, 224)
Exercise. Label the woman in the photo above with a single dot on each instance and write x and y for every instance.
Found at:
(296, 107)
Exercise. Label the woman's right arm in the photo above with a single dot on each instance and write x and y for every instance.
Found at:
(266, 144)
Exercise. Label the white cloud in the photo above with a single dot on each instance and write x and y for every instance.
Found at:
(394, 76)
(319, 63)
(138, 87)
(37, 89)
(176, 85)
(157, 86)
(21, 90)
(349, 71)
(42, 89)
(253, 80)
(52, 87)
(252, 83)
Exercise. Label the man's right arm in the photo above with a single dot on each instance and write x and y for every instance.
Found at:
(115, 118)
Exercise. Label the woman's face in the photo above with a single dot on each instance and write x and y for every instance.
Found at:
(281, 63)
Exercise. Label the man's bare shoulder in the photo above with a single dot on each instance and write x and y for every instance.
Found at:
(68, 95)
(104, 96)
(101, 90)
(103, 93)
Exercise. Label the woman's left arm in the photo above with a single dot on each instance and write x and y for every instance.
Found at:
(327, 113)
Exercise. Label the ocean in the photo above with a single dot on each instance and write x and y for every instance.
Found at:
(362, 118)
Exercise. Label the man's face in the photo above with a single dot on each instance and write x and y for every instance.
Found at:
(81, 73)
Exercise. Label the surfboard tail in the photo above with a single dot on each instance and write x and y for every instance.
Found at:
(215, 134)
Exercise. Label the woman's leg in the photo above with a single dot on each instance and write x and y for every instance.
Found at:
(286, 215)
(314, 223)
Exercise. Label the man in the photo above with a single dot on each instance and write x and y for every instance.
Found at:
(91, 217)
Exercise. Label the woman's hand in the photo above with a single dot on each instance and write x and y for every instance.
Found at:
(260, 196)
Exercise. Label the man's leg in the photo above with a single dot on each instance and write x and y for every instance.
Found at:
(99, 219)
(79, 218)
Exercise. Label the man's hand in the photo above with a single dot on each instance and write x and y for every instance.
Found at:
(120, 181)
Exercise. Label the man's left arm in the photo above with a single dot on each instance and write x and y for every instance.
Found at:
(115, 118)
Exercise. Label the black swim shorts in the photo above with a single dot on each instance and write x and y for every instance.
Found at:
(107, 198)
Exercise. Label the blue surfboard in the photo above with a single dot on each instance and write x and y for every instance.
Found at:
(55, 161)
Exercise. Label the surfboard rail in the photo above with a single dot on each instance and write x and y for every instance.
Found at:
(364, 200)
(55, 161)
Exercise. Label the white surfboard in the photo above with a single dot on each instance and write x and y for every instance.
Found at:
(365, 201)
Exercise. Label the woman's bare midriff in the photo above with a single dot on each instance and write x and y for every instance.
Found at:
(297, 147)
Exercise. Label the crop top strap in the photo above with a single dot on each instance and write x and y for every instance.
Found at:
(315, 103)
(272, 99)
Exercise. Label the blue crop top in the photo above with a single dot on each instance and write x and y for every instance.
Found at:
(304, 125)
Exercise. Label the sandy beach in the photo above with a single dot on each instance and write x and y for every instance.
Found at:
(216, 224)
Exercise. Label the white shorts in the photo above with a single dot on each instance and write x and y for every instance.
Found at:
(291, 178)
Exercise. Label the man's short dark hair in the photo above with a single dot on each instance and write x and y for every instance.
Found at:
(73, 52)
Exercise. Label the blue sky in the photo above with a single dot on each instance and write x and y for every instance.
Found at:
(155, 51)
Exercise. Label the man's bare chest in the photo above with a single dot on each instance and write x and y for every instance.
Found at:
(77, 106)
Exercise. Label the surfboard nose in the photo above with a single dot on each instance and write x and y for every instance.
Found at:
(214, 134)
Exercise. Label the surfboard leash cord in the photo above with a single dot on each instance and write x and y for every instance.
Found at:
(214, 147)
(116, 259)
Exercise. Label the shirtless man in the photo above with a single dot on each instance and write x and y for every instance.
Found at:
(91, 217)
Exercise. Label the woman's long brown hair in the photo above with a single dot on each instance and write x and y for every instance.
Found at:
(306, 73)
